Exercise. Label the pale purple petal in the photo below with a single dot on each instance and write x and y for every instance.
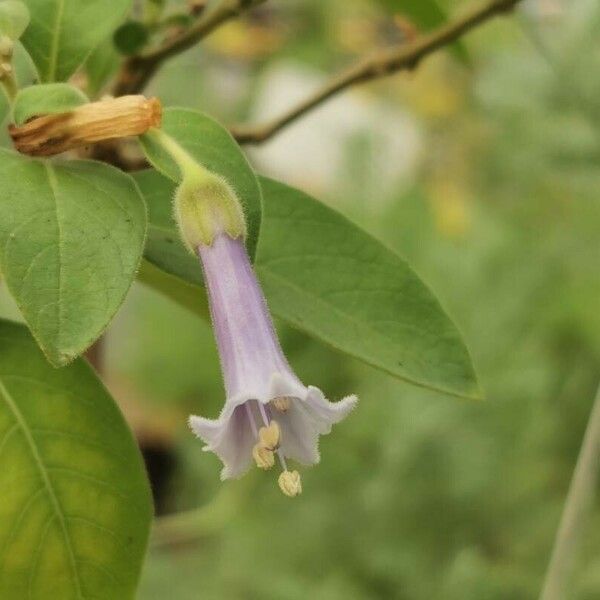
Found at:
(248, 346)
(306, 419)
(327, 413)
(230, 437)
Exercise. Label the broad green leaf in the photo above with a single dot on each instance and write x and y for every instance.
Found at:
(49, 98)
(185, 294)
(71, 238)
(14, 18)
(326, 276)
(75, 508)
(212, 146)
(164, 247)
(169, 268)
(63, 33)
(101, 65)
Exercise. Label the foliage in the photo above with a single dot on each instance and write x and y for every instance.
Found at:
(423, 493)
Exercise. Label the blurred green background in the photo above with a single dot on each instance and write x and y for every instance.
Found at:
(482, 168)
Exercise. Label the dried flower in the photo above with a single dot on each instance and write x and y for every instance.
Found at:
(87, 124)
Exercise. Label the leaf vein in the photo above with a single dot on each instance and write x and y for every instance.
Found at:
(43, 470)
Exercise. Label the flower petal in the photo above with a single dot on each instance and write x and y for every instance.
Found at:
(328, 413)
(306, 419)
(230, 437)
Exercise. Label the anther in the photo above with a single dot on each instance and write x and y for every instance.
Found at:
(6, 47)
(264, 458)
(290, 484)
(270, 436)
(281, 404)
(5, 70)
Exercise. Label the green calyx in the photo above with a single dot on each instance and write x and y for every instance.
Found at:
(205, 204)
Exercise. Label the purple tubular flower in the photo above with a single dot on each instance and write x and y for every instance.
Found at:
(268, 409)
(268, 412)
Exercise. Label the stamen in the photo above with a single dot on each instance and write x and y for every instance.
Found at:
(270, 436)
(6, 47)
(263, 413)
(263, 457)
(281, 404)
(290, 483)
(280, 455)
(281, 458)
(251, 419)
(5, 70)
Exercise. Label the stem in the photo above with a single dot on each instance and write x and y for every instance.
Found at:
(382, 64)
(184, 160)
(577, 505)
(138, 70)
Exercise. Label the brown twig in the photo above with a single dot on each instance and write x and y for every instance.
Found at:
(138, 70)
(385, 63)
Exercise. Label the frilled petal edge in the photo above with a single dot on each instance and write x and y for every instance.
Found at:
(306, 420)
(310, 415)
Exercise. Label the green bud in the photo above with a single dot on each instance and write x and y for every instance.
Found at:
(206, 205)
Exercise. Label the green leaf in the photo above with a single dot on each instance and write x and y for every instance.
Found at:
(185, 294)
(326, 276)
(131, 37)
(49, 98)
(323, 274)
(211, 145)
(14, 18)
(169, 268)
(63, 33)
(71, 238)
(101, 65)
(164, 247)
(75, 510)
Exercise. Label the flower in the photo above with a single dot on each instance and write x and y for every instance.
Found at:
(268, 412)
